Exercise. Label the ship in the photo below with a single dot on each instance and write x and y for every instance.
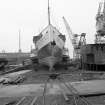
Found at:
(49, 45)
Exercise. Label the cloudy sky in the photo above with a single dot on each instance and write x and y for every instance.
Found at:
(31, 17)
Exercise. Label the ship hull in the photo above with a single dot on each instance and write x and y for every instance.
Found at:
(50, 55)
(49, 45)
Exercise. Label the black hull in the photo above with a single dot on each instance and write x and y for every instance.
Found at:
(50, 55)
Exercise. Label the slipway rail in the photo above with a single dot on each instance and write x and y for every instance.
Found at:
(27, 100)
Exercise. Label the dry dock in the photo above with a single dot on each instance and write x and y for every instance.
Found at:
(32, 89)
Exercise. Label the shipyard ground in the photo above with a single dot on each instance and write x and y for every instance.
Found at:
(55, 99)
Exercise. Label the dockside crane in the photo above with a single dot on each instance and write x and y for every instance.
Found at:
(71, 37)
(76, 42)
(100, 24)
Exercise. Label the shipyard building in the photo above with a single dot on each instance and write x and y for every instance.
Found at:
(93, 55)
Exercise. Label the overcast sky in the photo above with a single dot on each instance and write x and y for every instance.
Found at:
(31, 17)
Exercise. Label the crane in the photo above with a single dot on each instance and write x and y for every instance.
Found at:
(100, 24)
(73, 37)
(74, 40)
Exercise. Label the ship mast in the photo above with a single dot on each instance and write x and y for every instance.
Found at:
(48, 13)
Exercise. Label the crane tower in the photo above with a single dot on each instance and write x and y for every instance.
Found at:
(75, 40)
(100, 24)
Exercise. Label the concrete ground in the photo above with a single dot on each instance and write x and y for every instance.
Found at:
(85, 83)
